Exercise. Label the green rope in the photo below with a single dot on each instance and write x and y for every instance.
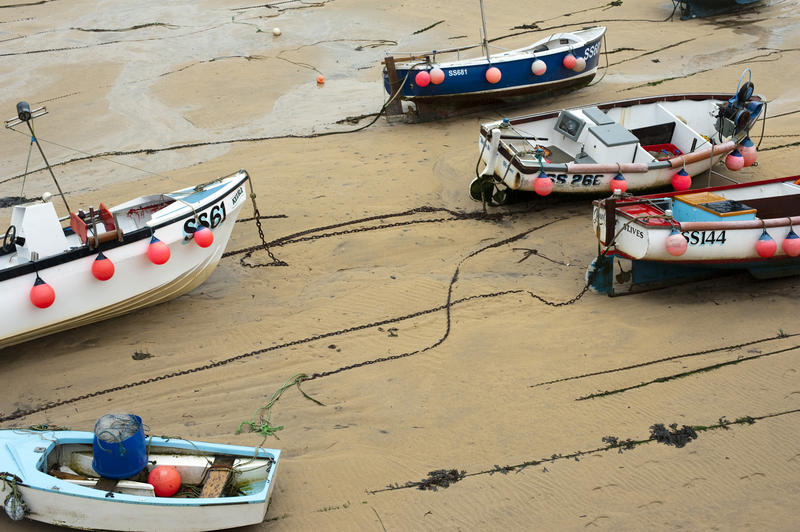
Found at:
(261, 419)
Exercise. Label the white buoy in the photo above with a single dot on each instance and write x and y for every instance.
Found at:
(276, 31)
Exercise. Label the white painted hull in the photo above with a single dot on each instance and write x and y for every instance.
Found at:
(83, 513)
(587, 163)
(81, 299)
(709, 242)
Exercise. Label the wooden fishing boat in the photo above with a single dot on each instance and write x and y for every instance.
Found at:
(681, 235)
(103, 262)
(705, 8)
(635, 144)
(559, 62)
(50, 477)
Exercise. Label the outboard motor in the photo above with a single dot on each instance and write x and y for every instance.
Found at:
(739, 113)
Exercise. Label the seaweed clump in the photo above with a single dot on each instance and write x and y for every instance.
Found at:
(673, 435)
(441, 478)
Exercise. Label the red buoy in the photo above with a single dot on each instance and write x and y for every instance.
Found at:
(165, 481)
(734, 161)
(681, 180)
(157, 251)
(543, 185)
(493, 75)
(203, 236)
(676, 243)
(569, 61)
(42, 294)
(618, 183)
(749, 151)
(791, 244)
(102, 267)
(422, 78)
(765, 245)
(437, 76)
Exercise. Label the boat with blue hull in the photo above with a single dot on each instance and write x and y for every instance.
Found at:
(559, 62)
(49, 476)
(706, 8)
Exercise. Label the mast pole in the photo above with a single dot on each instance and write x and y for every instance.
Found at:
(485, 43)
(33, 135)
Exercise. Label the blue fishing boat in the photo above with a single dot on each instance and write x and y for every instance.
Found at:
(50, 476)
(705, 8)
(559, 62)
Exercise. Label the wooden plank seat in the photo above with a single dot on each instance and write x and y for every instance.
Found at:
(218, 476)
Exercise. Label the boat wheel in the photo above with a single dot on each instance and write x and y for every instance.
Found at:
(9, 238)
(486, 188)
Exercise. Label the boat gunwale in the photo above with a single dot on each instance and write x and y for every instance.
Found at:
(518, 164)
(517, 54)
(127, 238)
(64, 487)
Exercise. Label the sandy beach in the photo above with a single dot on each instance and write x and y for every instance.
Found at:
(433, 336)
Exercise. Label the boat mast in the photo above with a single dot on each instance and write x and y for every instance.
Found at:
(24, 114)
(485, 43)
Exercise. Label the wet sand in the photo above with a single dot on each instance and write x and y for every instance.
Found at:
(474, 371)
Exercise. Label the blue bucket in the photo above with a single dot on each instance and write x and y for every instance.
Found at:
(119, 446)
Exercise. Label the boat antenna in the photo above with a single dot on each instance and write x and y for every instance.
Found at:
(24, 114)
(485, 43)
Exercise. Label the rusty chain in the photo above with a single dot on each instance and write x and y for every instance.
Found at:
(19, 413)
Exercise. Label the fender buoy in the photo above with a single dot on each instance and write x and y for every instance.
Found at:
(157, 251)
(618, 183)
(102, 267)
(42, 294)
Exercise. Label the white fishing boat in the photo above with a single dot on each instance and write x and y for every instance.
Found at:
(636, 144)
(49, 476)
(670, 236)
(97, 263)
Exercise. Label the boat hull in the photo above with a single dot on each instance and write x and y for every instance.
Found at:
(640, 228)
(507, 147)
(60, 502)
(136, 283)
(465, 81)
(705, 8)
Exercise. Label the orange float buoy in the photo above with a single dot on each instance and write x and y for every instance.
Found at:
(166, 480)
(618, 183)
(681, 180)
(102, 267)
(543, 185)
(42, 294)
(749, 151)
(734, 161)
(437, 76)
(493, 75)
(676, 243)
(580, 64)
(157, 251)
(320, 80)
(791, 244)
(569, 61)
(203, 236)
(765, 245)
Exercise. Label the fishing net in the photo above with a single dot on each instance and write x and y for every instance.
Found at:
(116, 428)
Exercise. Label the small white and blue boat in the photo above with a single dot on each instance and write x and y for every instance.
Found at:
(559, 62)
(48, 476)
